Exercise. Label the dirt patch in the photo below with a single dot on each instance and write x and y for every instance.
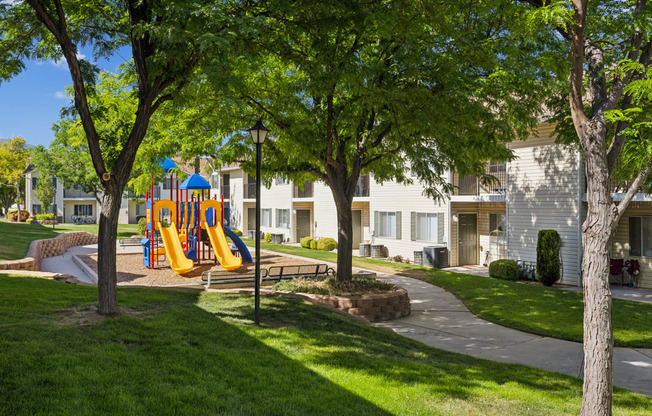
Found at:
(87, 315)
(132, 272)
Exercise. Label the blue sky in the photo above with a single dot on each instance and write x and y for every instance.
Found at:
(31, 102)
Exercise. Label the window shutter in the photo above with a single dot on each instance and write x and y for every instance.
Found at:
(398, 225)
(376, 223)
(413, 226)
(440, 227)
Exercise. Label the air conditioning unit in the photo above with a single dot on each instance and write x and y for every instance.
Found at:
(435, 256)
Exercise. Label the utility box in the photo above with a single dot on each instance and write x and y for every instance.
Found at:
(435, 256)
(277, 238)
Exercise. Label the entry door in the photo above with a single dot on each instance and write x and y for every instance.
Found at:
(468, 237)
(357, 227)
(251, 219)
(303, 223)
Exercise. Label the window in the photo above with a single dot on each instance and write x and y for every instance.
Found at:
(53, 209)
(266, 217)
(282, 218)
(427, 227)
(281, 180)
(36, 208)
(388, 224)
(167, 182)
(640, 236)
(141, 209)
(497, 224)
(214, 180)
(54, 182)
(34, 183)
(83, 209)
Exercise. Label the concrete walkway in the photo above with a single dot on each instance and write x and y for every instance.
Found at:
(441, 320)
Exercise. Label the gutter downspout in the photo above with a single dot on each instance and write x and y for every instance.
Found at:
(449, 223)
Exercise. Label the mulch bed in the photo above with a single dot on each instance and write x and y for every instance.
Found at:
(132, 272)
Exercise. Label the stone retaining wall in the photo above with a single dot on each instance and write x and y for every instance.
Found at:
(374, 308)
(41, 249)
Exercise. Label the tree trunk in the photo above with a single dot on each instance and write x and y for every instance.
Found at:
(343, 204)
(106, 260)
(597, 233)
(18, 199)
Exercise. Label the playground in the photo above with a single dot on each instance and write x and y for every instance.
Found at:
(188, 229)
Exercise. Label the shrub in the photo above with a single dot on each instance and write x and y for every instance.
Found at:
(268, 237)
(326, 244)
(142, 226)
(548, 263)
(305, 242)
(313, 244)
(45, 217)
(237, 232)
(13, 215)
(503, 269)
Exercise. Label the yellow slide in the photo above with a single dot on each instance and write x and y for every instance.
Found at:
(173, 250)
(218, 239)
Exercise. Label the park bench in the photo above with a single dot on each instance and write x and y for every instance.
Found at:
(273, 274)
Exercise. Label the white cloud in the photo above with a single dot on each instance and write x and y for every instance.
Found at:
(60, 95)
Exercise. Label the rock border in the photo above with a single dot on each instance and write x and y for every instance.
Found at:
(374, 308)
(50, 247)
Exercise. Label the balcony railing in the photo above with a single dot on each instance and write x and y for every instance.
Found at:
(249, 190)
(76, 193)
(470, 185)
(308, 191)
(618, 186)
(362, 188)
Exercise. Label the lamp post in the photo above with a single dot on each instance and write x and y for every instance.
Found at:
(258, 134)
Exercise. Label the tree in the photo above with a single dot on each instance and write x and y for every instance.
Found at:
(610, 56)
(68, 159)
(7, 196)
(14, 158)
(168, 42)
(389, 87)
(45, 191)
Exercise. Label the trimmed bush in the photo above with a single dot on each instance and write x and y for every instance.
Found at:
(268, 237)
(313, 244)
(45, 217)
(142, 226)
(327, 244)
(504, 269)
(305, 242)
(548, 262)
(13, 215)
(237, 232)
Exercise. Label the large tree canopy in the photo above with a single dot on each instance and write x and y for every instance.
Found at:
(14, 157)
(169, 42)
(349, 87)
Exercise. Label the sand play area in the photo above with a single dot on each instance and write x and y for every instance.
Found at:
(132, 272)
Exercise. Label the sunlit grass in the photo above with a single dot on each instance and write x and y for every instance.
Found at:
(15, 238)
(199, 353)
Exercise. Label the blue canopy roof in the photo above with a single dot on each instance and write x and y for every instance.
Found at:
(195, 181)
(168, 164)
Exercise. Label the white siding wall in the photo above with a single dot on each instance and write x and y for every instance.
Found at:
(392, 197)
(235, 200)
(325, 212)
(30, 197)
(543, 194)
(275, 198)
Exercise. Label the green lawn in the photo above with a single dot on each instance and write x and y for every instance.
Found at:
(15, 238)
(535, 309)
(198, 353)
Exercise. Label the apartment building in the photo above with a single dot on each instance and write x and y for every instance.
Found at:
(543, 188)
